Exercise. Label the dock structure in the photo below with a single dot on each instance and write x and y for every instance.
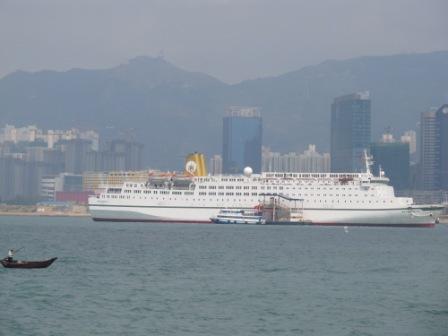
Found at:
(281, 209)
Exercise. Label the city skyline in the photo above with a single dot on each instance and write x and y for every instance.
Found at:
(33, 162)
(37, 164)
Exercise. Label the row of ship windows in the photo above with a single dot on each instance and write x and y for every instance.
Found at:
(206, 179)
(238, 200)
(270, 175)
(129, 185)
(139, 191)
(212, 193)
(213, 187)
(162, 192)
(273, 188)
(203, 193)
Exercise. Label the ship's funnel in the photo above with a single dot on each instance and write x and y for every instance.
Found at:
(195, 165)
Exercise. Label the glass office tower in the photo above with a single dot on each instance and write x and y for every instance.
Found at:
(442, 123)
(350, 132)
(434, 149)
(429, 151)
(242, 136)
(393, 157)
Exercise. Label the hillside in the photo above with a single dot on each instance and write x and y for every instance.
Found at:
(174, 111)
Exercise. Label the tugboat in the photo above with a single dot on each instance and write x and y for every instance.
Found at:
(238, 216)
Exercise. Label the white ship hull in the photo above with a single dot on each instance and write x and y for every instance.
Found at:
(370, 217)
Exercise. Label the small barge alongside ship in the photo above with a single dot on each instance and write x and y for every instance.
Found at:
(238, 216)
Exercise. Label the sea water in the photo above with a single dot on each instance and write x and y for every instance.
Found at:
(188, 279)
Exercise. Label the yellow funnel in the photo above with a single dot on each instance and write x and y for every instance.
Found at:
(195, 165)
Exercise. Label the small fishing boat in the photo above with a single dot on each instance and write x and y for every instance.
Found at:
(239, 216)
(26, 264)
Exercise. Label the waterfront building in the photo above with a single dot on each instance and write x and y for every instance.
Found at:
(48, 187)
(64, 182)
(242, 139)
(350, 132)
(64, 188)
(69, 182)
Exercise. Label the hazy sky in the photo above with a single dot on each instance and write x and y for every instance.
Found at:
(230, 39)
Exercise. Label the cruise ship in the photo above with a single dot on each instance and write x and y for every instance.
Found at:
(359, 199)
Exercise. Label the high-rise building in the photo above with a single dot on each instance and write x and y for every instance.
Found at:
(350, 132)
(31, 134)
(410, 137)
(20, 179)
(116, 155)
(429, 149)
(312, 161)
(215, 165)
(434, 149)
(105, 161)
(75, 155)
(393, 158)
(242, 137)
(54, 160)
(132, 152)
(442, 130)
(309, 161)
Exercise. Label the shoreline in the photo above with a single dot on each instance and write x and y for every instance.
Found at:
(37, 214)
(38, 210)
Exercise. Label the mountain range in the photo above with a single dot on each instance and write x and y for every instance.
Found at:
(174, 111)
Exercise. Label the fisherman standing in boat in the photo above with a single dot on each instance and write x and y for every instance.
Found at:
(10, 255)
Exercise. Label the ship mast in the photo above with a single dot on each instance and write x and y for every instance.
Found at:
(368, 162)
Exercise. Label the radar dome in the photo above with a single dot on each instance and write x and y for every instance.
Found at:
(248, 171)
